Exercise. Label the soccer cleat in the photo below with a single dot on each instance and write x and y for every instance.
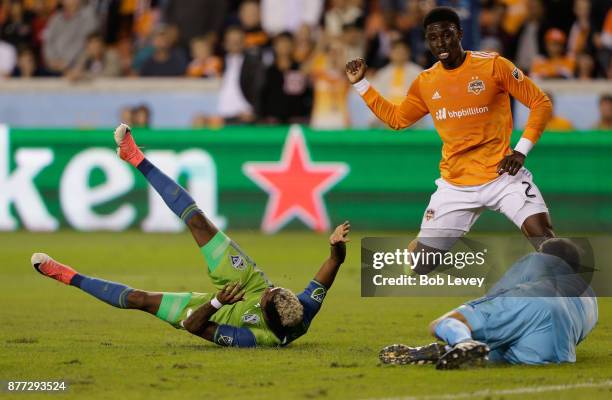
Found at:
(51, 268)
(400, 354)
(127, 150)
(470, 353)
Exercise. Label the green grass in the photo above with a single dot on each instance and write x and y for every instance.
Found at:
(49, 331)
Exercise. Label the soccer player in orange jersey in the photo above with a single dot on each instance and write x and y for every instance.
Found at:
(467, 94)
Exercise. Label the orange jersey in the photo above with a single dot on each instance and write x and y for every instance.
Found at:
(470, 107)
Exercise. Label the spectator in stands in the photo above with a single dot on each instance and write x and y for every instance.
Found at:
(529, 41)
(557, 122)
(393, 80)
(166, 60)
(558, 64)
(138, 116)
(383, 28)
(27, 66)
(126, 115)
(204, 63)
(580, 33)
(17, 29)
(354, 41)
(42, 11)
(585, 66)
(303, 44)
(195, 17)
(330, 108)
(66, 34)
(491, 44)
(285, 96)
(8, 58)
(494, 36)
(250, 21)
(341, 13)
(141, 116)
(97, 61)
(605, 113)
(603, 45)
(241, 82)
(289, 15)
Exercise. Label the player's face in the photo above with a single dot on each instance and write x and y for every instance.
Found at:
(444, 40)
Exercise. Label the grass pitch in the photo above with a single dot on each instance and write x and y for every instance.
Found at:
(52, 332)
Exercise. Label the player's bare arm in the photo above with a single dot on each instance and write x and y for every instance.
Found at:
(330, 267)
(199, 322)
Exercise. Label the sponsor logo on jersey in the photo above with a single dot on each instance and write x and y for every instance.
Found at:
(237, 262)
(436, 96)
(318, 295)
(476, 86)
(225, 340)
(429, 214)
(250, 319)
(517, 74)
(443, 113)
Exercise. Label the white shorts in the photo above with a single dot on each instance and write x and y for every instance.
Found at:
(452, 209)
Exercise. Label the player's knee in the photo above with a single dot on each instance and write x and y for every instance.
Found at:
(432, 326)
(197, 221)
(137, 299)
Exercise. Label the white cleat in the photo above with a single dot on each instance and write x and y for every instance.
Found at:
(39, 258)
(120, 133)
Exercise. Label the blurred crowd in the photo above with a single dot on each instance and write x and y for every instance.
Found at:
(282, 61)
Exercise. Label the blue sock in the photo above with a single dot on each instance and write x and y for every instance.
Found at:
(112, 293)
(453, 331)
(175, 197)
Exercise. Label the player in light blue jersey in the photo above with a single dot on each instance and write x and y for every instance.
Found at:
(537, 313)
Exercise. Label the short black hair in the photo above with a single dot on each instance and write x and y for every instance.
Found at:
(605, 97)
(565, 249)
(400, 42)
(284, 35)
(442, 14)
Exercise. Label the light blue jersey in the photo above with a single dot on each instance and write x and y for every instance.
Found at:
(536, 314)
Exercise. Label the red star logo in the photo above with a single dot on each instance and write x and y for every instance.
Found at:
(295, 185)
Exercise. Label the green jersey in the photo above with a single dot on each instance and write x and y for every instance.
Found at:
(241, 324)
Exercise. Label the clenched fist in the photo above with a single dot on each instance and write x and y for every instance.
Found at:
(356, 69)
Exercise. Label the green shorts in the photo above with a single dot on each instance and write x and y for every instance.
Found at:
(226, 263)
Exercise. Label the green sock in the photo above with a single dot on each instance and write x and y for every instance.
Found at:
(172, 306)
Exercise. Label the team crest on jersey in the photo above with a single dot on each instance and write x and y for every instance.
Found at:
(517, 74)
(476, 86)
(237, 262)
(225, 340)
(429, 214)
(250, 319)
(318, 295)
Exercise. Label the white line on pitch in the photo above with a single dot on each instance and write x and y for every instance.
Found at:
(501, 392)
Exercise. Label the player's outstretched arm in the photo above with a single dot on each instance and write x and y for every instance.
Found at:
(330, 267)
(199, 322)
(530, 95)
(395, 116)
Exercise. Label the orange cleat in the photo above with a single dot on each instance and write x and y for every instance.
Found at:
(127, 150)
(51, 268)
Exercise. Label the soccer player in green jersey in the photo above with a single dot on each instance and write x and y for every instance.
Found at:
(246, 311)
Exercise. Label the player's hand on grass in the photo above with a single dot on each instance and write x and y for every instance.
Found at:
(340, 234)
(356, 69)
(231, 293)
(511, 163)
